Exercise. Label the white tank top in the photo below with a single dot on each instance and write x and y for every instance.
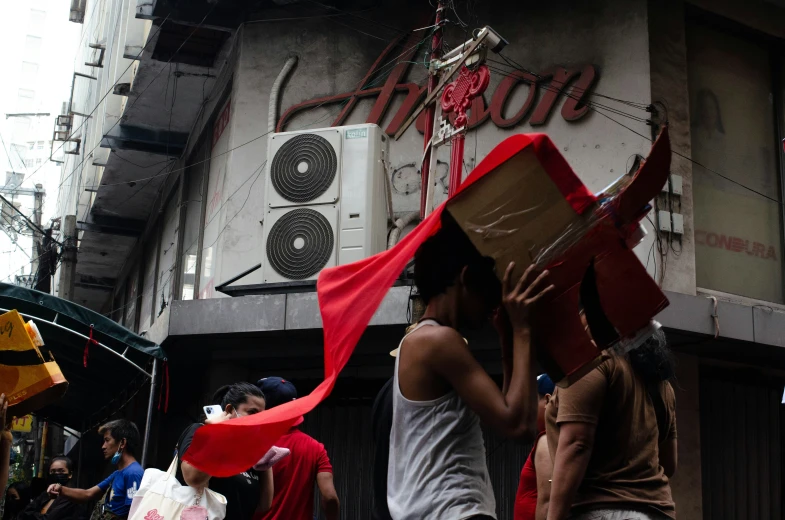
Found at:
(437, 466)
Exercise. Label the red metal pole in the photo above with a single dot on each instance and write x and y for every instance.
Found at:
(436, 51)
(456, 163)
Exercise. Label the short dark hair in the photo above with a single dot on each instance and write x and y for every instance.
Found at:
(236, 394)
(439, 260)
(69, 465)
(123, 429)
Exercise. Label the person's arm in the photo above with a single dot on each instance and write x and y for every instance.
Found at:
(576, 441)
(544, 469)
(514, 414)
(669, 448)
(330, 503)
(193, 477)
(6, 440)
(503, 327)
(579, 408)
(267, 490)
(668, 457)
(77, 495)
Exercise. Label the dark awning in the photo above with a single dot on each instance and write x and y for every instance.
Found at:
(116, 369)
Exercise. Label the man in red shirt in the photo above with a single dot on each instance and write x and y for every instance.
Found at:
(534, 488)
(295, 475)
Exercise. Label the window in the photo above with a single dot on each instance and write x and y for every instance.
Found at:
(25, 100)
(37, 162)
(738, 225)
(32, 51)
(29, 73)
(37, 20)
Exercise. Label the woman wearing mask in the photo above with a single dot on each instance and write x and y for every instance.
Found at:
(246, 493)
(45, 507)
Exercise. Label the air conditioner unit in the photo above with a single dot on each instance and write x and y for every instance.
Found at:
(325, 201)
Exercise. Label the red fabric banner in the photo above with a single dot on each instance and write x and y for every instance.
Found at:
(348, 296)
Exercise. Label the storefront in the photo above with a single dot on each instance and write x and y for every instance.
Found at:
(600, 80)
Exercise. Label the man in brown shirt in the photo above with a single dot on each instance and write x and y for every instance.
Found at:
(611, 458)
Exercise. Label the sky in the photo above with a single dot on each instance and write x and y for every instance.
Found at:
(38, 45)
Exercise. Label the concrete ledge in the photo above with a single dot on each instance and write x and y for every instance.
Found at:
(228, 315)
(756, 324)
(300, 311)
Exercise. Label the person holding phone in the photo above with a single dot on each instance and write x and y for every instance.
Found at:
(248, 492)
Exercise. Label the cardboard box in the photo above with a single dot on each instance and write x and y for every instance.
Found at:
(532, 208)
(28, 380)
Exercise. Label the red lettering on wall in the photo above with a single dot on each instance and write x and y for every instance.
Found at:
(502, 94)
(555, 82)
(734, 244)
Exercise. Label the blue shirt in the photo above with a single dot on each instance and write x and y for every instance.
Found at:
(125, 483)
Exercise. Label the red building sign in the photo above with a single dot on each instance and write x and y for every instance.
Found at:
(552, 82)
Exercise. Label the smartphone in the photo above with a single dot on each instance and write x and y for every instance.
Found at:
(213, 410)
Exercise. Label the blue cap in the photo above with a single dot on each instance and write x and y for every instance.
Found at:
(545, 385)
(277, 390)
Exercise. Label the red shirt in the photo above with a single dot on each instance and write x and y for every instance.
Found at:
(526, 497)
(295, 476)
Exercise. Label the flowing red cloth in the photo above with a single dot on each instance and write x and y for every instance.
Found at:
(348, 296)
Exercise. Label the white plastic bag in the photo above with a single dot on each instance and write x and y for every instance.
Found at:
(162, 497)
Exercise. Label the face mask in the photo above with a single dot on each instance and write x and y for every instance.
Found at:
(116, 458)
(14, 504)
(238, 415)
(59, 478)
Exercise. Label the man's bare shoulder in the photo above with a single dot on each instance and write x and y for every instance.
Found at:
(435, 339)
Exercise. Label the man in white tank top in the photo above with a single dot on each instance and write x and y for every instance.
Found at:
(437, 468)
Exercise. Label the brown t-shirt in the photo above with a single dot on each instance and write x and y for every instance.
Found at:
(624, 468)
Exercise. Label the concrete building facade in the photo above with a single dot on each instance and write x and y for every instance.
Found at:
(169, 185)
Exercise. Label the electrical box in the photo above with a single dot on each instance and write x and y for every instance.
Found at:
(665, 222)
(676, 181)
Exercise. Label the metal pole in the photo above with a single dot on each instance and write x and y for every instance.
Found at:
(68, 273)
(456, 163)
(79, 466)
(148, 424)
(42, 455)
(38, 204)
(436, 51)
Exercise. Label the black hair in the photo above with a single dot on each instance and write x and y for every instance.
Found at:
(69, 465)
(440, 259)
(25, 494)
(123, 429)
(653, 360)
(236, 394)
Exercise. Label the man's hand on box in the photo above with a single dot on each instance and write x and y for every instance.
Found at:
(518, 300)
